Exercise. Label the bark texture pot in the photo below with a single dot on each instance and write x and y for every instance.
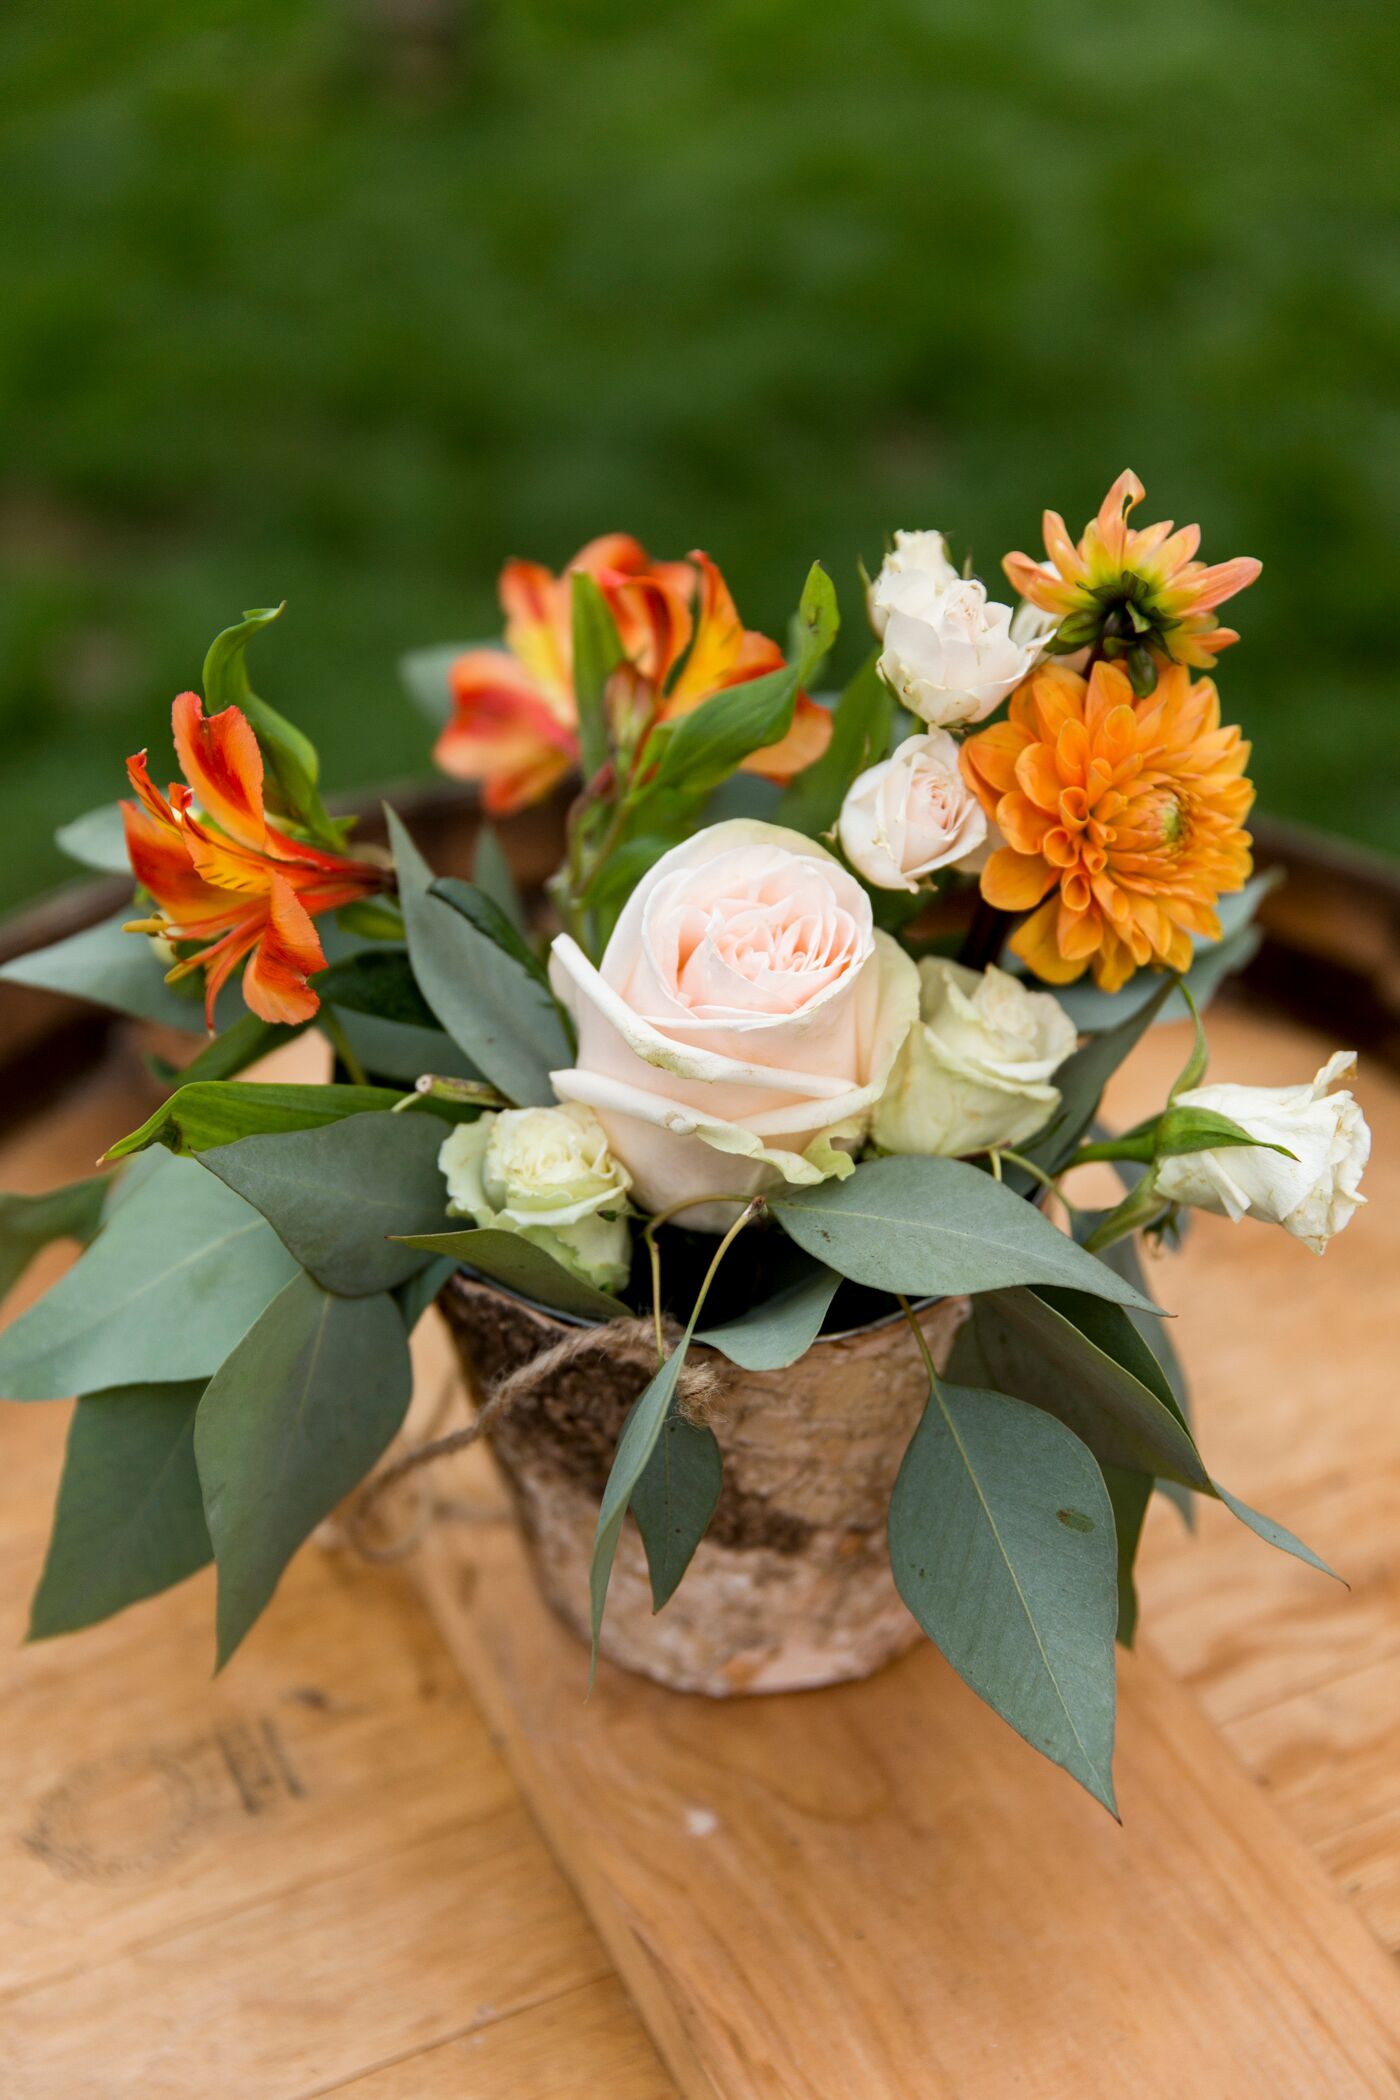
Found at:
(791, 1587)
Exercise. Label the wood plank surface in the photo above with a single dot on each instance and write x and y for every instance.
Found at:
(317, 1874)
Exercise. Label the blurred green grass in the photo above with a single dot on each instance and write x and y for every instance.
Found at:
(342, 303)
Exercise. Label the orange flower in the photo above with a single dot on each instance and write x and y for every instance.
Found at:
(233, 882)
(1132, 592)
(1129, 810)
(515, 721)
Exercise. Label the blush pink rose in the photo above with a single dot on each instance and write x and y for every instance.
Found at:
(743, 1023)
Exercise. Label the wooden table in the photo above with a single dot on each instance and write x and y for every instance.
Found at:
(319, 1875)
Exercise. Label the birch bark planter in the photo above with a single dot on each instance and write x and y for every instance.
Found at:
(791, 1587)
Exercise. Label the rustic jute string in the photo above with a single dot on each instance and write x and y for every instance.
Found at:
(698, 1390)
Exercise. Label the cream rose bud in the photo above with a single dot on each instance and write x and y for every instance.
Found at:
(913, 553)
(743, 1021)
(1311, 1195)
(949, 653)
(547, 1174)
(975, 1071)
(910, 815)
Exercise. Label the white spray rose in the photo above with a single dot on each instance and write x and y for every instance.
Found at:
(913, 554)
(975, 1068)
(1312, 1195)
(911, 814)
(547, 1174)
(949, 653)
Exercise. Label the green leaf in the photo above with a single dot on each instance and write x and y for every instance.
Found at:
(414, 1297)
(206, 1114)
(108, 967)
(377, 981)
(1093, 1011)
(524, 1267)
(397, 1050)
(781, 1330)
(1002, 1543)
(1179, 1130)
(336, 1197)
(130, 1517)
(289, 1426)
(597, 653)
(703, 748)
(291, 757)
(674, 1500)
(493, 1008)
(1124, 1256)
(1087, 1364)
(97, 839)
(177, 1275)
(1082, 1078)
(1194, 1069)
(495, 880)
(28, 1223)
(815, 625)
(1130, 1494)
(860, 737)
(236, 1047)
(937, 1227)
(1094, 1371)
(483, 913)
(635, 1446)
(427, 676)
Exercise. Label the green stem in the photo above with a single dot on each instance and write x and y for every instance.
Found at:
(663, 1217)
(922, 1339)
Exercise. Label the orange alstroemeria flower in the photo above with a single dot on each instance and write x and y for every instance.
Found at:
(1123, 819)
(233, 883)
(514, 726)
(1123, 587)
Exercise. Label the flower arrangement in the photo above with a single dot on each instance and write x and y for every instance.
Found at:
(809, 983)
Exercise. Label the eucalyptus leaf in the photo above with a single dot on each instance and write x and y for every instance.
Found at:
(130, 1518)
(780, 1330)
(289, 1425)
(1002, 1543)
(97, 839)
(495, 1009)
(174, 1279)
(937, 1227)
(674, 1500)
(414, 1297)
(483, 913)
(399, 1051)
(199, 1117)
(494, 878)
(523, 1267)
(28, 1223)
(377, 981)
(597, 652)
(860, 737)
(1129, 1494)
(109, 967)
(337, 1196)
(638, 1441)
(1095, 1373)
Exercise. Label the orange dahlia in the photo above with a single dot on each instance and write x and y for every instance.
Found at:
(1132, 592)
(1123, 819)
(514, 726)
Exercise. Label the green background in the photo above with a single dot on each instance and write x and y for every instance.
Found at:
(344, 302)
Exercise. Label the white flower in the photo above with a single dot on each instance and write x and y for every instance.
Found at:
(547, 1174)
(975, 1069)
(743, 1020)
(949, 653)
(1312, 1195)
(911, 814)
(913, 554)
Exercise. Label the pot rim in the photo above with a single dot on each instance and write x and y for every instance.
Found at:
(568, 1319)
